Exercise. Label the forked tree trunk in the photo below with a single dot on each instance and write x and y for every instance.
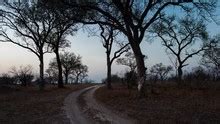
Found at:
(59, 65)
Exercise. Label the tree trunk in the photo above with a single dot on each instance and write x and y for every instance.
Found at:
(59, 65)
(41, 82)
(77, 79)
(66, 77)
(108, 83)
(141, 70)
(180, 74)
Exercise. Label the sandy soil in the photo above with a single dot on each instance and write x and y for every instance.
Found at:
(72, 110)
(82, 108)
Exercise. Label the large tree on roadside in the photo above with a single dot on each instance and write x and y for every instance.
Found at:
(133, 18)
(180, 37)
(31, 26)
(109, 38)
(57, 39)
(64, 25)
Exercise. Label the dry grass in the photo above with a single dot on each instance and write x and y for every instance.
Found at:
(169, 105)
(29, 105)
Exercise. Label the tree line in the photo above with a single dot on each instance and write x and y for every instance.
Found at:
(74, 72)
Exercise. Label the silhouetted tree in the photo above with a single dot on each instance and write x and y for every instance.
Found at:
(109, 38)
(161, 71)
(211, 56)
(32, 26)
(80, 73)
(69, 62)
(180, 36)
(64, 25)
(133, 18)
(23, 74)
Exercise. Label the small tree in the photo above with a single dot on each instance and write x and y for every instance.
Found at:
(161, 71)
(211, 56)
(24, 74)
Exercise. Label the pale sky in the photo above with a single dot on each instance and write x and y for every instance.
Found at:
(92, 52)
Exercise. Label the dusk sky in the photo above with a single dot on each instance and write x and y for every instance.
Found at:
(92, 52)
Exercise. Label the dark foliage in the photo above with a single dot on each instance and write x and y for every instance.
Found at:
(6, 79)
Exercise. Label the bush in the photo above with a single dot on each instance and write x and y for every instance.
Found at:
(198, 78)
(131, 79)
(6, 79)
(114, 79)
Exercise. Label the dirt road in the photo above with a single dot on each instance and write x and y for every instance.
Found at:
(93, 112)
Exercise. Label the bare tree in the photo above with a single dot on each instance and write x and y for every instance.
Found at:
(32, 26)
(180, 36)
(24, 74)
(109, 35)
(211, 56)
(133, 18)
(161, 71)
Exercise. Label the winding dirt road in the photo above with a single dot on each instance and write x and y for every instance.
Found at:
(93, 112)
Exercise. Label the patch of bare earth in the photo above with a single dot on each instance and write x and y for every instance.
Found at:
(91, 113)
(97, 113)
(29, 105)
(169, 105)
